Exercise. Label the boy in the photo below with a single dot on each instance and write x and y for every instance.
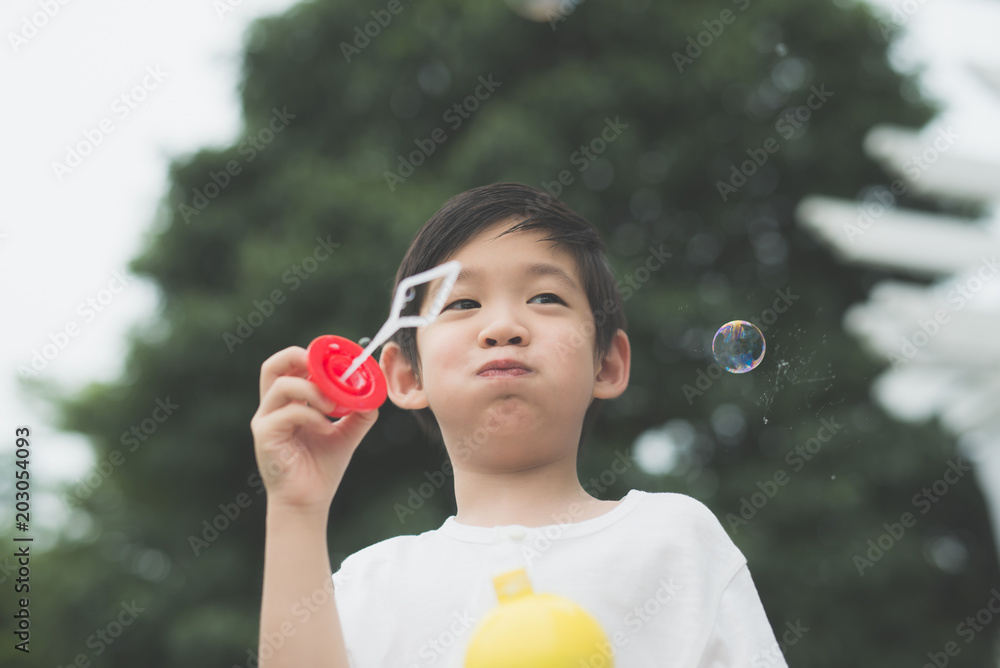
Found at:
(509, 377)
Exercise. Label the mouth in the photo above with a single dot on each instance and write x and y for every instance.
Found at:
(503, 368)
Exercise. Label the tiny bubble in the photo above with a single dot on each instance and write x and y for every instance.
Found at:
(364, 341)
(833, 477)
(410, 294)
(738, 346)
(781, 50)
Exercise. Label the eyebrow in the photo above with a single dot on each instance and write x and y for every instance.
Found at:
(471, 273)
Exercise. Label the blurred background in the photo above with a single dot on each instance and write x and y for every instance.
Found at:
(194, 186)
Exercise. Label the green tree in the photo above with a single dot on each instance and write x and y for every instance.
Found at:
(684, 94)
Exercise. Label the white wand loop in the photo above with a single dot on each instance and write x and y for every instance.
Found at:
(448, 270)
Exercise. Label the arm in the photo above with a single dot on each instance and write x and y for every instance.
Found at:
(741, 634)
(299, 623)
(302, 458)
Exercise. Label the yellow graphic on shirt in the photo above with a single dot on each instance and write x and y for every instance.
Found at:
(530, 630)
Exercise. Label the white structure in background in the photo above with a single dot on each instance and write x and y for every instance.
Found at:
(942, 339)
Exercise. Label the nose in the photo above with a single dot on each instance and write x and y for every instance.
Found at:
(504, 329)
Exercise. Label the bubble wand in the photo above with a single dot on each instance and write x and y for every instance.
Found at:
(348, 375)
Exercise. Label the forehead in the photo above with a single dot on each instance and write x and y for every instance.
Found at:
(533, 258)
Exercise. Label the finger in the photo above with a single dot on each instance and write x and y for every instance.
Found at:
(354, 426)
(287, 419)
(292, 361)
(288, 389)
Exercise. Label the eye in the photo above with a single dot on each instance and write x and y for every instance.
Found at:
(549, 295)
(460, 301)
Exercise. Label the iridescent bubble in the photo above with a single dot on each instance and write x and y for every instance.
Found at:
(536, 10)
(738, 346)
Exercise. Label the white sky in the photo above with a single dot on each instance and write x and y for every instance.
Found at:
(62, 241)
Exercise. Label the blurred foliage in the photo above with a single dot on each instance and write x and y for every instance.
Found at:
(321, 180)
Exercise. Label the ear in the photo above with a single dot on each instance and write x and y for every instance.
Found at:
(404, 389)
(612, 375)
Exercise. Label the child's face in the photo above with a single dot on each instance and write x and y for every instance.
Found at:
(503, 309)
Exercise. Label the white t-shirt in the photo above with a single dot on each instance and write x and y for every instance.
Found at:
(658, 573)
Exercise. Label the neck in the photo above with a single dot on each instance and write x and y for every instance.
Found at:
(540, 496)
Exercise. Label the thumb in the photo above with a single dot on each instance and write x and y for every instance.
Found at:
(354, 426)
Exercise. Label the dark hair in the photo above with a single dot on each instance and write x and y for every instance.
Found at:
(467, 214)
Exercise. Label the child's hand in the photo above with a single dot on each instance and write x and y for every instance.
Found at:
(302, 456)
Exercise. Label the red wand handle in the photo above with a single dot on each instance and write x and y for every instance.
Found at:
(329, 357)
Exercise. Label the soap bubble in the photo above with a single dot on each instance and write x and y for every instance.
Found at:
(536, 10)
(738, 346)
